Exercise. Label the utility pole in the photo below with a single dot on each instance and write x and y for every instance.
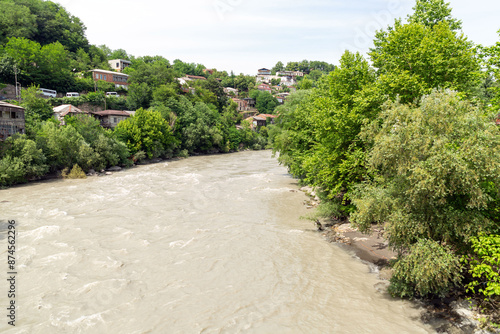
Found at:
(15, 77)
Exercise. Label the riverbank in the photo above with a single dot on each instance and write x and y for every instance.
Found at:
(452, 314)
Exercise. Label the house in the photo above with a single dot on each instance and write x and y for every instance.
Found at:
(290, 73)
(119, 64)
(229, 90)
(66, 109)
(266, 117)
(119, 79)
(264, 88)
(111, 118)
(242, 104)
(261, 120)
(11, 120)
(263, 71)
(250, 102)
(281, 97)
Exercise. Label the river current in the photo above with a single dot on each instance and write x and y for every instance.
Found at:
(208, 244)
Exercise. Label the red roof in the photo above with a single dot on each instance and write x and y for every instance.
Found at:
(267, 115)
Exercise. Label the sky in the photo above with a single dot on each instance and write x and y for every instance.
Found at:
(245, 35)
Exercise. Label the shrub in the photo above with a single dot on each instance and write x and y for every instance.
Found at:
(428, 269)
(485, 266)
(75, 173)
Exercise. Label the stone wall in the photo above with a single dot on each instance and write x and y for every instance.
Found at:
(8, 93)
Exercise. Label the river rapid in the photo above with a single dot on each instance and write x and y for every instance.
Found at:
(208, 244)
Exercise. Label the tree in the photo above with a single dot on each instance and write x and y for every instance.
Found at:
(37, 109)
(412, 59)
(139, 96)
(492, 60)
(20, 161)
(439, 165)
(432, 12)
(278, 67)
(437, 168)
(264, 101)
(16, 21)
(147, 131)
(216, 88)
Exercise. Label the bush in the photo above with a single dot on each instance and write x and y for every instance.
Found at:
(76, 173)
(485, 266)
(11, 171)
(22, 160)
(183, 154)
(428, 269)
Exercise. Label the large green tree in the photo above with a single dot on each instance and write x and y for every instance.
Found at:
(412, 59)
(437, 170)
(147, 131)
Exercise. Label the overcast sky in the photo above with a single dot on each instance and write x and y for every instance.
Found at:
(245, 35)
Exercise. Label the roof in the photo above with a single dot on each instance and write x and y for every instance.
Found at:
(8, 105)
(109, 72)
(65, 109)
(112, 113)
(195, 77)
(121, 60)
(267, 115)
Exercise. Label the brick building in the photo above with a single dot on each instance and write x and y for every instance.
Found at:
(119, 79)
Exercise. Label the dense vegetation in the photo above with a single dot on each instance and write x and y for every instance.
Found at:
(42, 45)
(405, 138)
(410, 143)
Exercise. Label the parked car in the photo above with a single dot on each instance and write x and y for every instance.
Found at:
(112, 94)
(72, 94)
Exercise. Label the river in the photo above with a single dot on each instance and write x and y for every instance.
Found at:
(208, 244)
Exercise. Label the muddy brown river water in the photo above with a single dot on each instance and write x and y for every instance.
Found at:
(209, 244)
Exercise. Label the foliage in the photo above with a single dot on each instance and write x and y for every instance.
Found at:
(491, 57)
(44, 22)
(139, 96)
(75, 173)
(319, 139)
(181, 68)
(108, 150)
(412, 59)
(264, 101)
(148, 131)
(37, 109)
(45, 65)
(428, 269)
(438, 168)
(432, 12)
(485, 266)
(21, 160)
(64, 146)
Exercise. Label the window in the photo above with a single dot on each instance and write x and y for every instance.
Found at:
(105, 77)
(114, 119)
